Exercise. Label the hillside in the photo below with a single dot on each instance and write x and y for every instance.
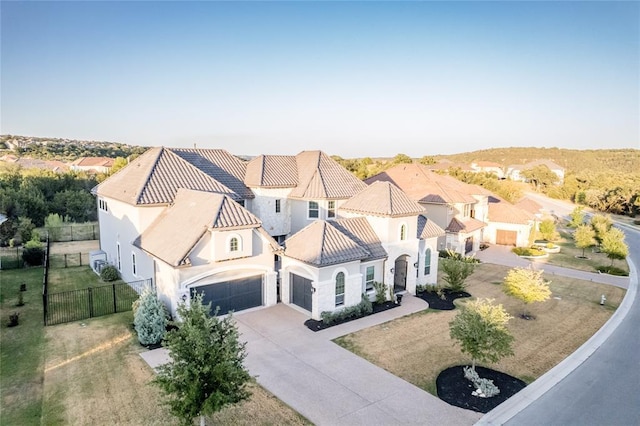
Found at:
(575, 161)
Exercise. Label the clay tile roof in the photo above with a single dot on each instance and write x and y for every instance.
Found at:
(382, 199)
(530, 165)
(529, 205)
(93, 161)
(465, 225)
(428, 228)
(172, 236)
(272, 171)
(156, 176)
(359, 230)
(425, 186)
(503, 211)
(321, 177)
(322, 244)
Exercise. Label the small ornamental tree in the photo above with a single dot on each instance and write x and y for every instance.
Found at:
(527, 285)
(456, 272)
(577, 217)
(481, 330)
(601, 224)
(206, 370)
(613, 245)
(150, 318)
(584, 237)
(548, 229)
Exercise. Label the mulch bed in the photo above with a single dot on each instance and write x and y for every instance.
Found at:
(454, 389)
(315, 325)
(436, 302)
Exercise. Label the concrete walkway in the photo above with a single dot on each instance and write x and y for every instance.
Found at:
(326, 383)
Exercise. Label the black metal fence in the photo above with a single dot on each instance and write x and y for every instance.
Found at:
(11, 258)
(75, 232)
(68, 260)
(86, 303)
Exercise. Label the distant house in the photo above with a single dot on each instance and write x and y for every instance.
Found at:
(297, 229)
(35, 163)
(92, 164)
(488, 167)
(514, 172)
(508, 224)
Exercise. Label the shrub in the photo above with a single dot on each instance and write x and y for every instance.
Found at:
(14, 319)
(20, 299)
(381, 292)
(456, 272)
(367, 306)
(362, 309)
(150, 318)
(33, 253)
(636, 221)
(450, 254)
(109, 273)
(528, 251)
(612, 270)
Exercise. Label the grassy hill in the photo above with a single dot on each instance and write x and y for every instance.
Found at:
(575, 161)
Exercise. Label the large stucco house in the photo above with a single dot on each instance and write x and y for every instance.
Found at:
(300, 230)
(469, 214)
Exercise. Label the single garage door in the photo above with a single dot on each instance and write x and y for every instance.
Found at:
(506, 238)
(300, 291)
(233, 295)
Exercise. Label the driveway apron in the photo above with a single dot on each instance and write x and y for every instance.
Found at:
(330, 385)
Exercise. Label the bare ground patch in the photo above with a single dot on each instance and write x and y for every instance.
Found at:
(418, 347)
(73, 247)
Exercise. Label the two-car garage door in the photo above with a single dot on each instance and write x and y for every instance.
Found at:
(235, 295)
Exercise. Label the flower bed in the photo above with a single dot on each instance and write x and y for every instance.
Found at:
(315, 325)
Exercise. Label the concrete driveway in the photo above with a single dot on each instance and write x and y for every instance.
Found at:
(328, 384)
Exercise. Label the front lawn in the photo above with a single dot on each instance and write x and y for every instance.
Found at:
(418, 347)
(75, 278)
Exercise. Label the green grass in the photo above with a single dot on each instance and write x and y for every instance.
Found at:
(76, 278)
(21, 348)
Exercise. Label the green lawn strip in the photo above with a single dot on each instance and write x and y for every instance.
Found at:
(21, 348)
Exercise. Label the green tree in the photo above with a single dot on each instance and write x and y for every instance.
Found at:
(53, 223)
(481, 330)
(584, 237)
(118, 163)
(25, 228)
(456, 272)
(206, 372)
(548, 229)
(577, 217)
(601, 224)
(402, 159)
(613, 245)
(33, 253)
(527, 285)
(427, 160)
(150, 318)
(540, 176)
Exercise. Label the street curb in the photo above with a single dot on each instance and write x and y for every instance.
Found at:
(511, 407)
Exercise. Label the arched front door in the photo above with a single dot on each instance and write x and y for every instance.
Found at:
(400, 274)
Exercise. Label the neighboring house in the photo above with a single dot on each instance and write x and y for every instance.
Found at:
(35, 163)
(381, 236)
(514, 172)
(202, 220)
(531, 207)
(460, 209)
(508, 224)
(92, 164)
(488, 167)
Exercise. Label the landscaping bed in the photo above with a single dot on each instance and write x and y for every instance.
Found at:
(315, 325)
(455, 389)
(443, 300)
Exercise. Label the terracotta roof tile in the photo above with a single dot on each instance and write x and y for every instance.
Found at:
(504, 212)
(272, 171)
(465, 225)
(359, 230)
(428, 228)
(529, 205)
(383, 199)
(172, 236)
(321, 177)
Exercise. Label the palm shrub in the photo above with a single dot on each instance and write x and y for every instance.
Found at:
(150, 318)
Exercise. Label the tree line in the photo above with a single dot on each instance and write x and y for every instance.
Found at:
(28, 196)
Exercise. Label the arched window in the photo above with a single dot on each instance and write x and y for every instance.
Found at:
(340, 289)
(403, 232)
(427, 261)
(234, 244)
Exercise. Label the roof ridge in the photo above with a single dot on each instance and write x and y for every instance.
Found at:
(145, 182)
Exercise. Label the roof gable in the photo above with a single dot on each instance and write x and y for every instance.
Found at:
(503, 211)
(272, 171)
(172, 236)
(322, 244)
(382, 199)
(319, 176)
(428, 228)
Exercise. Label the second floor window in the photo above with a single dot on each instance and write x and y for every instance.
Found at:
(313, 210)
(331, 209)
(403, 232)
(233, 244)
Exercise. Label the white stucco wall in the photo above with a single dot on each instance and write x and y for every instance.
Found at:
(432, 277)
(299, 212)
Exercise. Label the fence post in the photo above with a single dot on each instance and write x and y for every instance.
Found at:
(65, 260)
(71, 232)
(90, 302)
(80, 255)
(115, 305)
(93, 227)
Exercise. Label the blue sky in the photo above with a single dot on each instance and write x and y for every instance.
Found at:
(350, 78)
